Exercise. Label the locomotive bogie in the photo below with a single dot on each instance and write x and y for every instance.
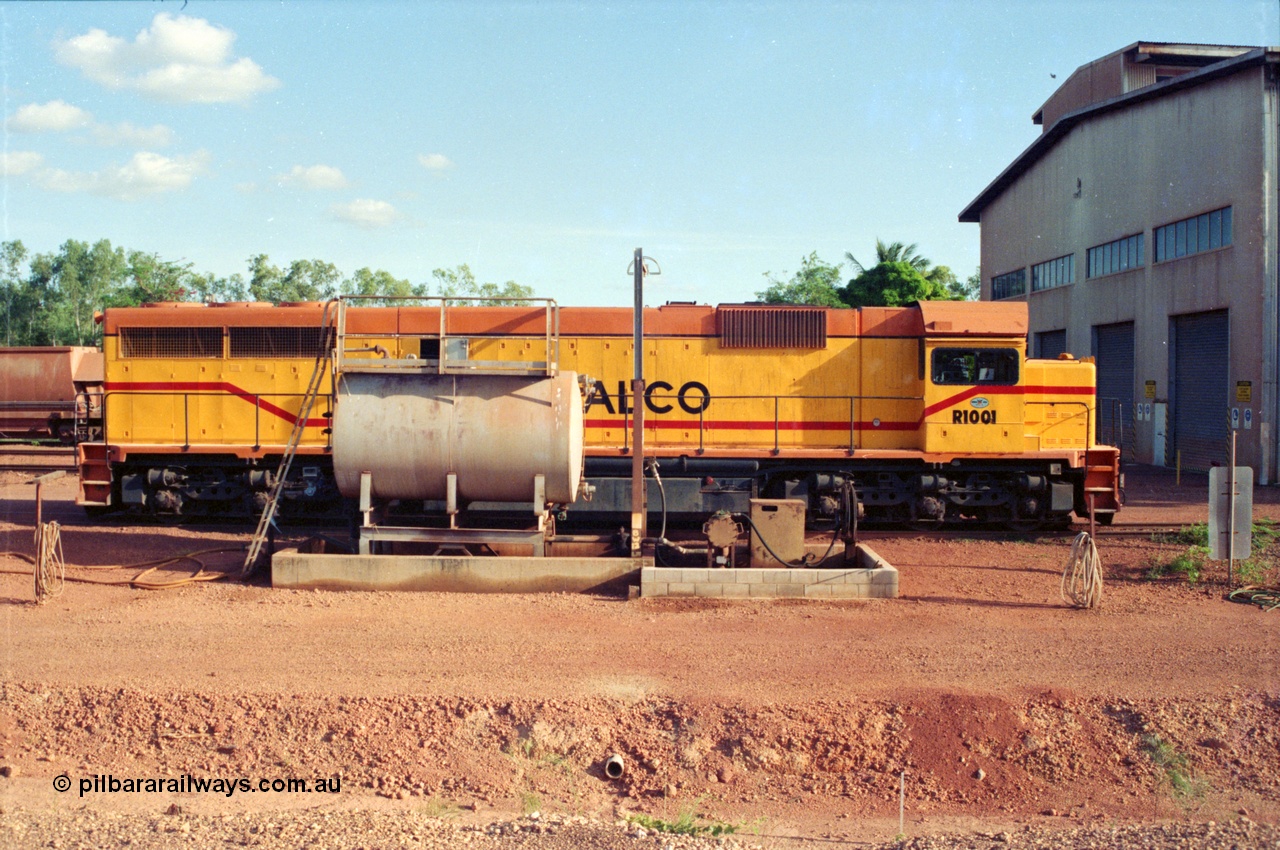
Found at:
(222, 486)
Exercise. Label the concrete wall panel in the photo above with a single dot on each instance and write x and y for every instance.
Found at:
(1129, 171)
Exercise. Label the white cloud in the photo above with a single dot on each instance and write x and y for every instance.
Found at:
(177, 59)
(314, 177)
(56, 116)
(366, 213)
(145, 174)
(124, 133)
(13, 163)
(434, 161)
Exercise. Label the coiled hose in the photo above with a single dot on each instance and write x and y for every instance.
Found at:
(1082, 577)
(50, 573)
(1266, 598)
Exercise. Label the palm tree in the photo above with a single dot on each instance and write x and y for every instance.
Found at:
(894, 252)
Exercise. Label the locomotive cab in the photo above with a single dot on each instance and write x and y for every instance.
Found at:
(973, 396)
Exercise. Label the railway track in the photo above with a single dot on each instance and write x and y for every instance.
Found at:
(36, 459)
(1116, 530)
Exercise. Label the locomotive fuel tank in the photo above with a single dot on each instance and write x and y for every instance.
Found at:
(494, 432)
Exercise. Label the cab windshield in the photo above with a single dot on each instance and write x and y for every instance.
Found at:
(970, 366)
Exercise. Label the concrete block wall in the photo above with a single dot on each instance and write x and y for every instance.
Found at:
(871, 577)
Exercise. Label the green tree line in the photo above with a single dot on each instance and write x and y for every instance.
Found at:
(51, 298)
(900, 276)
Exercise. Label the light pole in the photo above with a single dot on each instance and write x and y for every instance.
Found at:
(640, 266)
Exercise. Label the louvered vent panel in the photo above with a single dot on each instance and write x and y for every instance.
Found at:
(177, 343)
(772, 327)
(274, 342)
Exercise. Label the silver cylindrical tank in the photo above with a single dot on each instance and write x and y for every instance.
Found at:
(494, 432)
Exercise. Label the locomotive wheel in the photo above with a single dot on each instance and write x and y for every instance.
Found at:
(927, 514)
(1027, 516)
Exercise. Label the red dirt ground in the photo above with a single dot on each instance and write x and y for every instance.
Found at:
(1002, 704)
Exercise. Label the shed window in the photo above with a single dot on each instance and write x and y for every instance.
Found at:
(1204, 232)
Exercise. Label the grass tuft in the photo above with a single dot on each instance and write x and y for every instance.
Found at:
(530, 802)
(686, 823)
(434, 807)
(1191, 564)
(1175, 765)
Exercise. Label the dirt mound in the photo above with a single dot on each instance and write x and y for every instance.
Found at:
(1051, 754)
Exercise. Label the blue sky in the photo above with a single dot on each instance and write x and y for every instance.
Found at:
(542, 142)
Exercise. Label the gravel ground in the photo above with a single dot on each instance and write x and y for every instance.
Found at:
(358, 830)
(1018, 721)
(1237, 835)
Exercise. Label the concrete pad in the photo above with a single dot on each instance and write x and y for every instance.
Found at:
(306, 571)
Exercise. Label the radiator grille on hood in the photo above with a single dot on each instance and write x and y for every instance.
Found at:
(772, 327)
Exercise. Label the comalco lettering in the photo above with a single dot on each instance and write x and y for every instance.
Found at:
(693, 397)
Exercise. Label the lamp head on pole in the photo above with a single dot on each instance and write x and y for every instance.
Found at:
(648, 266)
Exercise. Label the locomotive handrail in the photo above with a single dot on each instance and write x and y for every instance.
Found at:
(444, 364)
(777, 422)
(20, 406)
(185, 396)
(720, 397)
(1118, 430)
(1089, 435)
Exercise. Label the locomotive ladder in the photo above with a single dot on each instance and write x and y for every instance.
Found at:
(323, 358)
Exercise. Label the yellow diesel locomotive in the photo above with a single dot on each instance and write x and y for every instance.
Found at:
(930, 415)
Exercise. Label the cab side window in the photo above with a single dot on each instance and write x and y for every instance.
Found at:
(971, 366)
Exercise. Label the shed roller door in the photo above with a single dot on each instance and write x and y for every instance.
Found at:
(1200, 392)
(1049, 344)
(1113, 351)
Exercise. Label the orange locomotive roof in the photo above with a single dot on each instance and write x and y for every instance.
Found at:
(891, 321)
(931, 318)
(182, 314)
(671, 320)
(668, 320)
(974, 318)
